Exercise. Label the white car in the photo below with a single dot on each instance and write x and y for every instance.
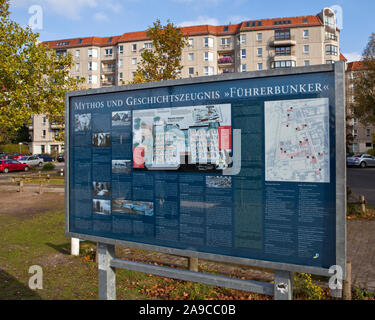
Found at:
(32, 161)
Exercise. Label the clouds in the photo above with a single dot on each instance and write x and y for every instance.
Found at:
(353, 56)
(202, 20)
(74, 9)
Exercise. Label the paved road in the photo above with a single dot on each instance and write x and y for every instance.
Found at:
(362, 182)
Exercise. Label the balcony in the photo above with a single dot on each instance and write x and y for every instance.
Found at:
(107, 83)
(280, 41)
(283, 55)
(227, 47)
(225, 61)
(109, 69)
(109, 57)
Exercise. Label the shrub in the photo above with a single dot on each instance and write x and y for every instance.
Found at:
(371, 152)
(49, 167)
(14, 148)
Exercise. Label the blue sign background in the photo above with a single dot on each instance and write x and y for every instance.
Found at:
(251, 219)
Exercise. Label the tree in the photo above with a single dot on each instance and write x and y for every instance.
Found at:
(163, 62)
(364, 84)
(33, 79)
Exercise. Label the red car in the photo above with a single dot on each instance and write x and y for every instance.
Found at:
(12, 165)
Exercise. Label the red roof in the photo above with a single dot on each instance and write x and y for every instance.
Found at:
(232, 29)
(342, 58)
(356, 66)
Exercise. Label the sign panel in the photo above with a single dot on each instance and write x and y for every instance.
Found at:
(238, 169)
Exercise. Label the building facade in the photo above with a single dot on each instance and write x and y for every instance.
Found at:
(359, 133)
(247, 46)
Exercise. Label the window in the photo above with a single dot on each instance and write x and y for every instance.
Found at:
(225, 42)
(120, 77)
(134, 47)
(42, 149)
(44, 133)
(369, 145)
(260, 66)
(44, 121)
(226, 29)
(283, 51)
(92, 79)
(134, 61)
(355, 121)
(79, 41)
(282, 35)
(77, 67)
(305, 34)
(243, 39)
(331, 50)
(61, 53)
(191, 42)
(331, 36)
(306, 49)
(243, 54)
(93, 53)
(108, 52)
(307, 63)
(283, 64)
(121, 49)
(147, 45)
(191, 57)
(330, 62)
(208, 71)
(243, 68)
(355, 132)
(78, 53)
(208, 56)
(191, 71)
(368, 132)
(208, 43)
(92, 66)
(120, 63)
(304, 21)
(259, 36)
(110, 40)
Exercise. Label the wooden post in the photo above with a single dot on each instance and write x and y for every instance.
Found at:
(347, 285)
(363, 204)
(13, 179)
(40, 174)
(193, 264)
(21, 186)
(41, 187)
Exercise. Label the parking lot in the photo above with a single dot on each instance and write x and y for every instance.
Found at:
(362, 182)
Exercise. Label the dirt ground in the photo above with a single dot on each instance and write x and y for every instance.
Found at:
(27, 204)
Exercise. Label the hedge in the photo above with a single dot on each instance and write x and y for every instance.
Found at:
(14, 148)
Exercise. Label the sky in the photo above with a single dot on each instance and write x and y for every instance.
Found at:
(64, 19)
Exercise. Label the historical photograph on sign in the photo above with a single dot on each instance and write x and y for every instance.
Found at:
(183, 139)
(133, 207)
(121, 166)
(219, 182)
(82, 122)
(102, 207)
(297, 140)
(121, 118)
(101, 189)
(101, 139)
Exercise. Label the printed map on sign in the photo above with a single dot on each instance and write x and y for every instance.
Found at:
(297, 140)
(182, 139)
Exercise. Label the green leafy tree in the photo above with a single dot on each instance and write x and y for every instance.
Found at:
(163, 61)
(364, 105)
(33, 79)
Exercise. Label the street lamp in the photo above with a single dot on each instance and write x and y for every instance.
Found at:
(20, 144)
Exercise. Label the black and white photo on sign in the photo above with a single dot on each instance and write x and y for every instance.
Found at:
(121, 166)
(219, 182)
(121, 118)
(102, 207)
(101, 189)
(82, 122)
(101, 139)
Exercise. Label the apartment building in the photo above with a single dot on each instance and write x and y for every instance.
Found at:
(247, 46)
(361, 133)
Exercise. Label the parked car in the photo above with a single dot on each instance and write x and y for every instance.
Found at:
(361, 160)
(16, 156)
(61, 158)
(45, 157)
(31, 161)
(13, 165)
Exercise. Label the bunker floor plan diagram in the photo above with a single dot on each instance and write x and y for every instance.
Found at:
(297, 140)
